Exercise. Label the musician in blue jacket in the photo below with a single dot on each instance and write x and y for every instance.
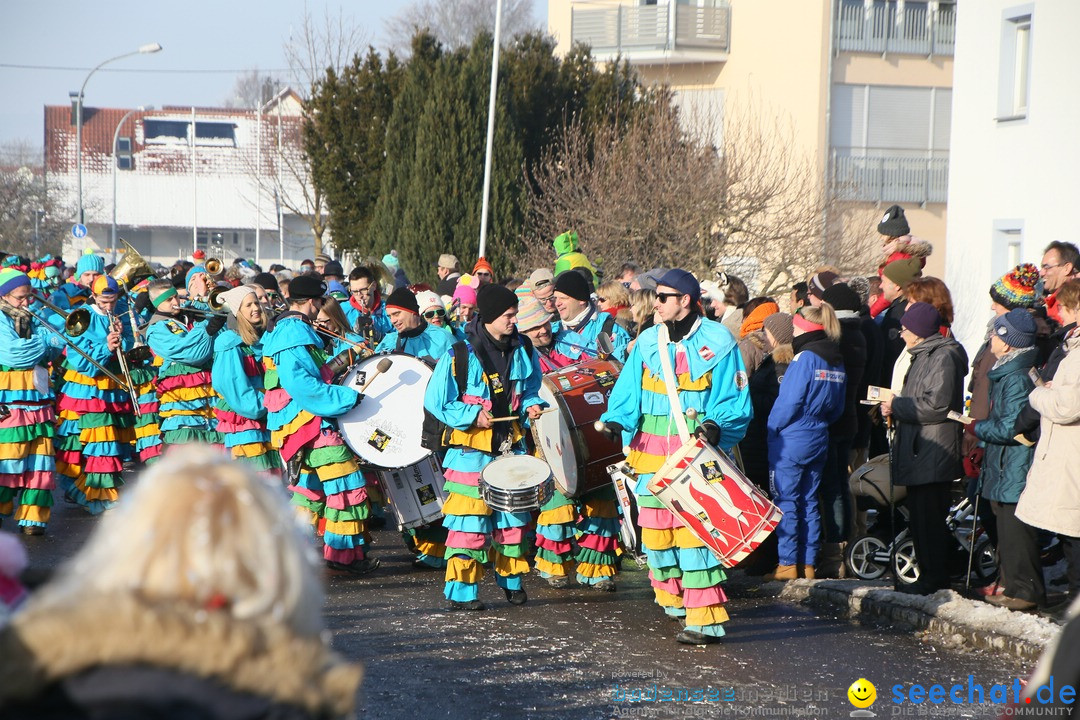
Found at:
(710, 378)
(502, 379)
(573, 300)
(811, 399)
(411, 335)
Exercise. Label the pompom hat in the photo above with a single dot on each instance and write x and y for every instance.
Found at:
(1016, 288)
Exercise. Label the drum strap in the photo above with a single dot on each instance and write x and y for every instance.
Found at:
(671, 383)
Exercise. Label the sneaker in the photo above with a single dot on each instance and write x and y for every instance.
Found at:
(605, 585)
(692, 637)
(32, 530)
(558, 581)
(990, 590)
(357, 567)
(516, 597)
(470, 606)
(1011, 603)
(419, 564)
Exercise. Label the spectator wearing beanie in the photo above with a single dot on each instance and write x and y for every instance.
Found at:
(1006, 462)
(390, 260)
(752, 342)
(579, 314)
(926, 456)
(818, 284)
(483, 272)
(464, 301)
(412, 335)
(502, 379)
(893, 279)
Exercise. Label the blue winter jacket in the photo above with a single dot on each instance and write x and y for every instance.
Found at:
(811, 398)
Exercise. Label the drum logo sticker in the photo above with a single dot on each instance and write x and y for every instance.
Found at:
(605, 378)
(379, 440)
(425, 494)
(594, 398)
(710, 470)
(564, 383)
(741, 380)
(361, 378)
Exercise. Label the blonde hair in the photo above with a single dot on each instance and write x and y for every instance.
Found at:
(1068, 295)
(203, 530)
(614, 292)
(248, 331)
(642, 306)
(825, 316)
(333, 310)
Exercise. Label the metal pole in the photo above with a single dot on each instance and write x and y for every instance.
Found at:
(115, 139)
(258, 177)
(278, 192)
(194, 193)
(490, 129)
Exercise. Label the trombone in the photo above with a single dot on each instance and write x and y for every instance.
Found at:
(75, 324)
(121, 358)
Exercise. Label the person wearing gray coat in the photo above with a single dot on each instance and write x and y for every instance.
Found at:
(926, 447)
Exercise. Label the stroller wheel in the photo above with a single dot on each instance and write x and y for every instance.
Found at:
(985, 564)
(867, 558)
(905, 567)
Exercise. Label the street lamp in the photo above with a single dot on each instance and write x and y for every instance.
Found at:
(115, 140)
(143, 50)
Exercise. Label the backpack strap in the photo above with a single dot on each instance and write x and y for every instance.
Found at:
(461, 366)
(609, 325)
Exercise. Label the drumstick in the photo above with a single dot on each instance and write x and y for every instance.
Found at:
(515, 417)
(382, 367)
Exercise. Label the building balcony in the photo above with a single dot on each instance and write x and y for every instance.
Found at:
(917, 30)
(655, 34)
(875, 175)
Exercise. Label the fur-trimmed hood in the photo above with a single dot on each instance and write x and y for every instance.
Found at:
(43, 646)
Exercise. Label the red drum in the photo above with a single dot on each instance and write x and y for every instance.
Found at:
(577, 453)
(715, 501)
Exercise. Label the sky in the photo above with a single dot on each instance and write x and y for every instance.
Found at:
(207, 44)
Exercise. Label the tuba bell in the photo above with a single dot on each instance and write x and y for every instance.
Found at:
(132, 269)
(213, 267)
(383, 277)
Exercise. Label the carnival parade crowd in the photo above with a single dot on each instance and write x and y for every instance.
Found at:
(232, 386)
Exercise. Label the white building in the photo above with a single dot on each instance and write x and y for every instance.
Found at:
(181, 179)
(1014, 175)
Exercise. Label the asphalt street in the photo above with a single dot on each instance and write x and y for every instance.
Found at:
(577, 653)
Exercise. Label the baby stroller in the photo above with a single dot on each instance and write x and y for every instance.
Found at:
(886, 544)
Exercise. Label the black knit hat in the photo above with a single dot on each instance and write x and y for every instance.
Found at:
(307, 286)
(842, 297)
(493, 300)
(267, 282)
(573, 284)
(893, 223)
(333, 268)
(403, 299)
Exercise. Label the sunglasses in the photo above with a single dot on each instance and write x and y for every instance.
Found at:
(664, 297)
(430, 314)
(481, 272)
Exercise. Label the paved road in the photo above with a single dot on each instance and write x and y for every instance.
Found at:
(579, 654)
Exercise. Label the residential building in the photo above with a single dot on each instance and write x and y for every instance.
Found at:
(864, 85)
(1014, 175)
(226, 181)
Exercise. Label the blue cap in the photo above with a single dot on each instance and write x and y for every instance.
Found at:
(682, 281)
(195, 270)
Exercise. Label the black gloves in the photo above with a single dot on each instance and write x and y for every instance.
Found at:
(142, 302)
(359, 399)
(710, 432)
(613, 431)
(214, 325)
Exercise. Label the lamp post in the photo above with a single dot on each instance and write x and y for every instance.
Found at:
(143, 50)
(115, 140)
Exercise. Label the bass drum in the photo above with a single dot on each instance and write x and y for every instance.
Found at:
(578, 454)
(386, 429)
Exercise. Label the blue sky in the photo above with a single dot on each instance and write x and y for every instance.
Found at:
(223, 36)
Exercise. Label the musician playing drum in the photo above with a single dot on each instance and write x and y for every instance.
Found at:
(26, 429)
(710, 378)
(501, 379)
(301, 410)
(557, 526)
(573, 300)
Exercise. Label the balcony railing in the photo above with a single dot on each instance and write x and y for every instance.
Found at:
(647, 32)
(876, 176)
(883, 29)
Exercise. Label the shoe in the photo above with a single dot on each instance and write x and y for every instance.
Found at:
(470, 606)
(990, 590)
(419, 564)
(517, 597)
(357, 567)
(782, 572)
(1011, 603)
(692, 637)
(70, 498)
(605, 585)
(916, 588)
(806, 571)
(32, 530)
(376, 523)
(557, 581)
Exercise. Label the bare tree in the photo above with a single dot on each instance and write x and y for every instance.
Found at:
(252, 89)
(658, 191)
(31, 221)
(456, 22)
(321, 43)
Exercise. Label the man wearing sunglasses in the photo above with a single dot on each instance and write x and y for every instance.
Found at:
(705, 363)
(579, 314)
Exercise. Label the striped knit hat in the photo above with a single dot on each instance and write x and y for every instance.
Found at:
(1016, 289)
(11, 279)
(531, 314)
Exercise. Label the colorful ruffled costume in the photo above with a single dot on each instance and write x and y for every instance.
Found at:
(685, 576)
(237, 373)
(301, 407)
(474, 527)
(186, 398)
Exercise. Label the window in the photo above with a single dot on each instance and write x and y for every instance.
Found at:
(123, 145)
(215, 133)
(1007, 246)
(124, 159)
(1014, 76)
(161, 132)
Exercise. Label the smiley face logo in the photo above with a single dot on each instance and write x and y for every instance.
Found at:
(862, 693)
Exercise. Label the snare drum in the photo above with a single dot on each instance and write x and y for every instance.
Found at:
(415, 493)
(516, 483)
(579, 455)
(386, 429)
(710, 496)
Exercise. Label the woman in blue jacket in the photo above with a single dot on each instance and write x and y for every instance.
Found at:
(811, 398)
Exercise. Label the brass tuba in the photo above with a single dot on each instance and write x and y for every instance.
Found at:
(132, 269)
(383, 277)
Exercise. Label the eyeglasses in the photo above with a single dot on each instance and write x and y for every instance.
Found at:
(664, 297)
(1051, 267)
(549, 299)
(431, 314)
(361, 291)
